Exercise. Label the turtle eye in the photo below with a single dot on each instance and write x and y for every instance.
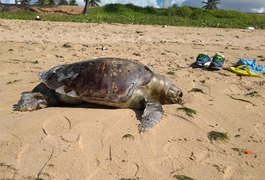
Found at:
(180, 94)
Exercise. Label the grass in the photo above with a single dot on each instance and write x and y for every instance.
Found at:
(217, 136)
(174, 16)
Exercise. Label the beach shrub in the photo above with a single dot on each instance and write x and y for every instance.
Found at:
(184, 11)
(131, 14)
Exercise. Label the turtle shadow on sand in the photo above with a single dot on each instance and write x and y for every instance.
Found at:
(87, 106)
(138, 113)
(104, 83)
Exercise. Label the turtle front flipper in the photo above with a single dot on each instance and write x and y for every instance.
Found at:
(152, 114)
(40, 97)
(31, 101)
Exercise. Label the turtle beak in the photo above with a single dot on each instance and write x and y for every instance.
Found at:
(174, 95)
(179, 99)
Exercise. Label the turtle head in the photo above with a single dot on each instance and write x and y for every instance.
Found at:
(164, 90)
(173, 94)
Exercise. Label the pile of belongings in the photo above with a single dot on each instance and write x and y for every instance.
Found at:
(248, 67)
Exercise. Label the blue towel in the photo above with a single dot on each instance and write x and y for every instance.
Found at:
(252, 65)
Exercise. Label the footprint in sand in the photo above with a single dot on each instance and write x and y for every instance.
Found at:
(7, 171)
(123, 170)
(57, 126)
(57, 155)
(236, 172)
(10, 147)
(59, 129)
(129, 170)
(260, 129)
(185, 154)
(34, 160)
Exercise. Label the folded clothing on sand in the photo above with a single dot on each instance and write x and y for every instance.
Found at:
(248, 67)
(252, 65)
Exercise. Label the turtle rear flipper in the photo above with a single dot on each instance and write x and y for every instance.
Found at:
(31, 101)
(152, 114)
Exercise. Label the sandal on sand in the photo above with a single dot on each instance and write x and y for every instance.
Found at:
(218, 61)
(244, 71)
(203, 60)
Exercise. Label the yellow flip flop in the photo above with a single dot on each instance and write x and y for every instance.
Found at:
(244, 71)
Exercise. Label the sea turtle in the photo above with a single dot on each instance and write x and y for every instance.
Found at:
(114, 82)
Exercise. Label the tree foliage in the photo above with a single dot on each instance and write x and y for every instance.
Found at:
(94, 3)
(46, 2)
(63, 2)
(73, 3)
(211, 4)
(90, 3)
(25, 2)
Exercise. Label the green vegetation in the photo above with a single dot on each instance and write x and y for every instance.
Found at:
(189, 112)
(217, 136)
(63, 2)
(196, 90)
(24, 2)
(182, 177)
(73, 3)
(175, 16)
(45, 2)
(90, 3)
(94, 3)
(211, 4)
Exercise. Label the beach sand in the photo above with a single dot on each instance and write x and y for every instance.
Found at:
(97, 143)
